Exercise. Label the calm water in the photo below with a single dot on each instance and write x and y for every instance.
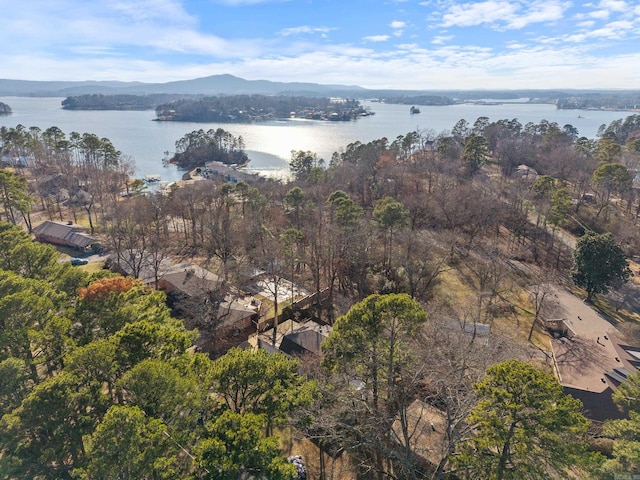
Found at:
(269, 144)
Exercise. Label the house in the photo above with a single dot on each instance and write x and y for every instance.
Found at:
(526, 172)
(590, 356)
(234, 311)
(190, 280)
(16, 161)
(306, 339)
(293, 338)
(65, 234)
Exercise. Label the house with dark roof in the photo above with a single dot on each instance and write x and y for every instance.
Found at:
(65, 234)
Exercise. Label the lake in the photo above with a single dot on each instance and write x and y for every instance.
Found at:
(269, 144)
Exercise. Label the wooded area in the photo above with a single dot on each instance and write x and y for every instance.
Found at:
(417, 244)
(251, 108)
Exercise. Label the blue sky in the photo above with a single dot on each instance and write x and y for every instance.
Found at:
(403, 44)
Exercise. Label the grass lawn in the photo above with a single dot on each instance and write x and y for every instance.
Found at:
(513, 322)
(92, 267)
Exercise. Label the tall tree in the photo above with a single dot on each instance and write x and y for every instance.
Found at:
(235, 448)
(261, 383)
(526, 427)
(370, 345)
(303, 164)
(611, 178)
(625, 459)
(126, 445)
(14, 197)
(45, 432)
(476, 153)
(390, 215)
(599, 264)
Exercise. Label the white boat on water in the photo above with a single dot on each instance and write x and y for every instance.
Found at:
(152, 178)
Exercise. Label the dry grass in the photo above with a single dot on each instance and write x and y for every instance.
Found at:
(514, 322)
(612, 314)
(452, 291)
(293, 442)
(92, 267)
(608, 308)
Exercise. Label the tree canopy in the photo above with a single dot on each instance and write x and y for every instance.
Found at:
(196, 148)
(625, 432)
(526, 427)
(599, 264)
(122, 396)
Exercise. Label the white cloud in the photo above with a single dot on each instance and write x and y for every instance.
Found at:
(235, 3)
(408, 46)
(613, 30)
(503, 13)
(599, 14)
(539, 12)
(153, 10)
(377, 38)
(304, 29)
(440, 39)
(128, 40)
(405, 66)
(614, 5)
(489, 11)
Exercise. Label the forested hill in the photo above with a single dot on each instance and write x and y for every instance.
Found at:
(604, 100)
(225, 84)
(211, 85)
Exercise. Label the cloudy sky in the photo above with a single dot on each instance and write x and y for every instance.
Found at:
(404, 44)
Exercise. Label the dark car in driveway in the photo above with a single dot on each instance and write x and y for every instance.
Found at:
(79, 261)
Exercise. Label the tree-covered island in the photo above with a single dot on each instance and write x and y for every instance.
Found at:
(257, 108)
(4, 109)
(118, 102)
(227, 109)
(196, 148)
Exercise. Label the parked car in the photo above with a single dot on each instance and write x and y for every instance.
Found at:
(79, 261)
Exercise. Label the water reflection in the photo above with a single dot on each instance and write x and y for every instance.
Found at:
(269, 145)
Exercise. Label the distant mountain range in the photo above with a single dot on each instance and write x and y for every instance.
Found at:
(231, 85)
(213, 85)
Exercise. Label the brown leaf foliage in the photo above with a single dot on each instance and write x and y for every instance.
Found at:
(102, 288)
